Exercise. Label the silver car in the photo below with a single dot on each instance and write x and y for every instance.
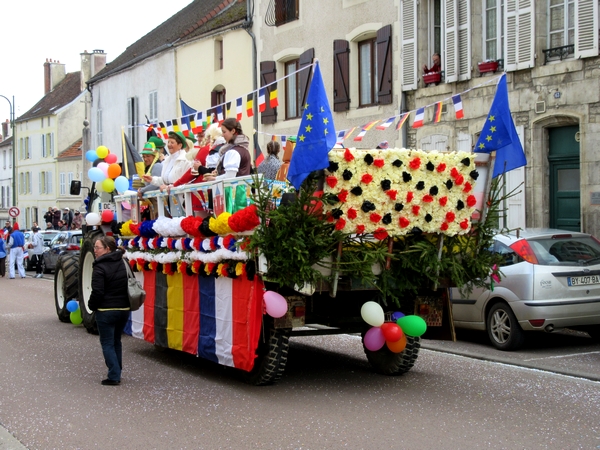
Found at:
(550, 280)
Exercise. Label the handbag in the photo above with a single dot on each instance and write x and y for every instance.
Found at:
(135, 291)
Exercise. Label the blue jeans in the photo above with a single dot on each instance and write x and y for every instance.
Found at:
(110, 327)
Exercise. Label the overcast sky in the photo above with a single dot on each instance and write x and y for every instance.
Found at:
(33, 30)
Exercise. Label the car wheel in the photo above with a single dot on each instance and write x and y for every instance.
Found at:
(503, 328)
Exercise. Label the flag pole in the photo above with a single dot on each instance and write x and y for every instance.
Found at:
(126, 166)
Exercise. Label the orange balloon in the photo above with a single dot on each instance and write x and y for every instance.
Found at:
(114, 170)
(399, 346)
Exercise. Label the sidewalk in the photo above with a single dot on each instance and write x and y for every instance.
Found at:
(8, 441)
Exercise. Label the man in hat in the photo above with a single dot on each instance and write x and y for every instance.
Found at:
(152, 165)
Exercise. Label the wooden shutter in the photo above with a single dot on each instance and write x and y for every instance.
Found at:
(304, 77)
(586, 28)
(341, 75)
(384, 65)
(464, 40)
(450, 52)
(519, 32)
(408, 41)
(268, 74)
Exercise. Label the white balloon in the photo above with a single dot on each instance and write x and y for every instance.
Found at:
(372, 313)
(92, 219)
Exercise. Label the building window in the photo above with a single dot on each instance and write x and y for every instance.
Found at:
(562, 23)
(43, 139)
(218, 54)
(367, 73)
(435, 18)
(153, 106)
(292, 90)
(493, 29)
(99, 126)
(50, 144)
(48, 183)
(282, 11)
(132, 119)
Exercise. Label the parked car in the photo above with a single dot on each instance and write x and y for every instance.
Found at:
(47, 235)
(63, 242)
(550, 280)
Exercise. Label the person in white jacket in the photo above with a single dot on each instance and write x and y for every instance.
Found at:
(36, 251)
(174, 165)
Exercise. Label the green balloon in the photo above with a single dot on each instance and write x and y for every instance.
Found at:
(412, 325)
(76, 318)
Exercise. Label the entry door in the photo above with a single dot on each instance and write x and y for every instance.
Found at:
(565, 209)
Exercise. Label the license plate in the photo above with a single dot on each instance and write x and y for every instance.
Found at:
(581, 281)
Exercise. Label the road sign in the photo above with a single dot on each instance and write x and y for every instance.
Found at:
(14, 211)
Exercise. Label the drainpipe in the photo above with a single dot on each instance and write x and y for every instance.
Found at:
(248, 27)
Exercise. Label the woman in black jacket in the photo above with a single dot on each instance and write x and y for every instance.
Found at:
(110, 301)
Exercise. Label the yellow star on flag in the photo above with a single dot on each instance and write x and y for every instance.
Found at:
(492, 118)
(301, 138)
(492, 129)
(488, 138)
(308, 128)
(309, 116)
(325, 120)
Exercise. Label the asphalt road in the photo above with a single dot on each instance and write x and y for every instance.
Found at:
(51, 397)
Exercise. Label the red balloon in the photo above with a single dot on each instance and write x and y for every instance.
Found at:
(111, 158)
(107, 215)
(391, 331)
(397, 347)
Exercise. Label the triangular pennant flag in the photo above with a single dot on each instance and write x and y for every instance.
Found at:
(403, 118)
(273, 97)
(262, 105)
(185, 126)
(228, 109)
(219, 113)
(437, 116)
(364, 130)
(250, 104)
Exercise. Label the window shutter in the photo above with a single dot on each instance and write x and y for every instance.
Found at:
(586, 28)
(450, 53)
(409, 44)
(40, 183)
(384, 65)
(341, 75)
(52, 144)
(464, 40)
(43, 146)
(304, 77)
(268, 74)
(49, 175)
(519, 32)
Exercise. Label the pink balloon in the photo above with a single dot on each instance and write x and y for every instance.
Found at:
(103, 167)
(374, 339)
(111, 158)
(275, 304)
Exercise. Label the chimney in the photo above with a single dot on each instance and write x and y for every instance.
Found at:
(54, 73)
(91, 64)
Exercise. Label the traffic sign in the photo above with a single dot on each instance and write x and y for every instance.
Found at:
(13, 211)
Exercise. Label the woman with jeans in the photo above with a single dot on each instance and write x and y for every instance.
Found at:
(110, 301)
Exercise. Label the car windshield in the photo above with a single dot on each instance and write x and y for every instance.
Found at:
(59, 239)
(566, 251)
(49, 235)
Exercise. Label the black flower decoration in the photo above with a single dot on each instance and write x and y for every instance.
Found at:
(367, 206)
(356, 190)
(433, 190)
(406, 177)
(420, 186)
(333, 166)
(416, 230)
(398, 207)
(337, 213)
(334, 198)
(449, 184)
(387, 219)
(386, 185)
(368, 159)
(474, 174)
(428, 218)
(459, 205)
(397, 163)
(347, 175)
(430, 166)
(466, 161)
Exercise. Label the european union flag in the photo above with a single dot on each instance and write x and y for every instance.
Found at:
(499, 134)
(316, 135)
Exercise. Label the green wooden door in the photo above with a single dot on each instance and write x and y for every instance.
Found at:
(565, 211)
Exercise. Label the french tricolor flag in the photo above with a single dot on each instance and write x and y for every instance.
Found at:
(458, 108)
(419, 117)
(262, 105)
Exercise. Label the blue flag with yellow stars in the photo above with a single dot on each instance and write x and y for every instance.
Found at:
(316, 135)
(499, 134)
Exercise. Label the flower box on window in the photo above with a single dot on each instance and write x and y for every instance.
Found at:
(432, 78)
(488, 66)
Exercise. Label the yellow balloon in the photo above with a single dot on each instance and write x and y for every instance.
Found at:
(102, 151)
(108, 185)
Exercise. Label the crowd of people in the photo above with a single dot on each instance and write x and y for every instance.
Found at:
(67, 219)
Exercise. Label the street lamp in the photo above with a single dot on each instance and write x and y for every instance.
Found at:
(14, 148)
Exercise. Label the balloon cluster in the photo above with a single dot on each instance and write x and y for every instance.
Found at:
(275, 304)
(393, 334)
(106, 173)
(73, 308)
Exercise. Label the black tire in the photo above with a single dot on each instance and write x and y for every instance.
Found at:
(86, 259)
(386, 362)
(66, 285)
(503, 328)
(271, 355)
(593, 331)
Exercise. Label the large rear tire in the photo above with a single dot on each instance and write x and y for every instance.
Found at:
(87, 258)
(66, 285)
(386, 362)
(271, 355)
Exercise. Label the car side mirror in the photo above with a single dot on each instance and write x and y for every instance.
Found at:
(75, 187)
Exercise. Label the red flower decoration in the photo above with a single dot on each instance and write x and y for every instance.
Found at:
(360, 229)
(374, 217)
(467, 188)
(464, 224)
(348, 156)
(443, 201)
(196, 266)
(183, 267)
(415, 209)
(379, 163)
(135, 228)
(454, 173)
(380, 234)
(427, 198)
(450, 216)
(343, 195)
(392, 194)
(415, 163)
(459, 180)
(340, 224)
(224, 268)
(331, 181)
(366, 178)
(441, 167)
(244, 220)
(330, 218)
(471, 201)
(404, 222)
(444, 226)
(351, 213)
(409, 197)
